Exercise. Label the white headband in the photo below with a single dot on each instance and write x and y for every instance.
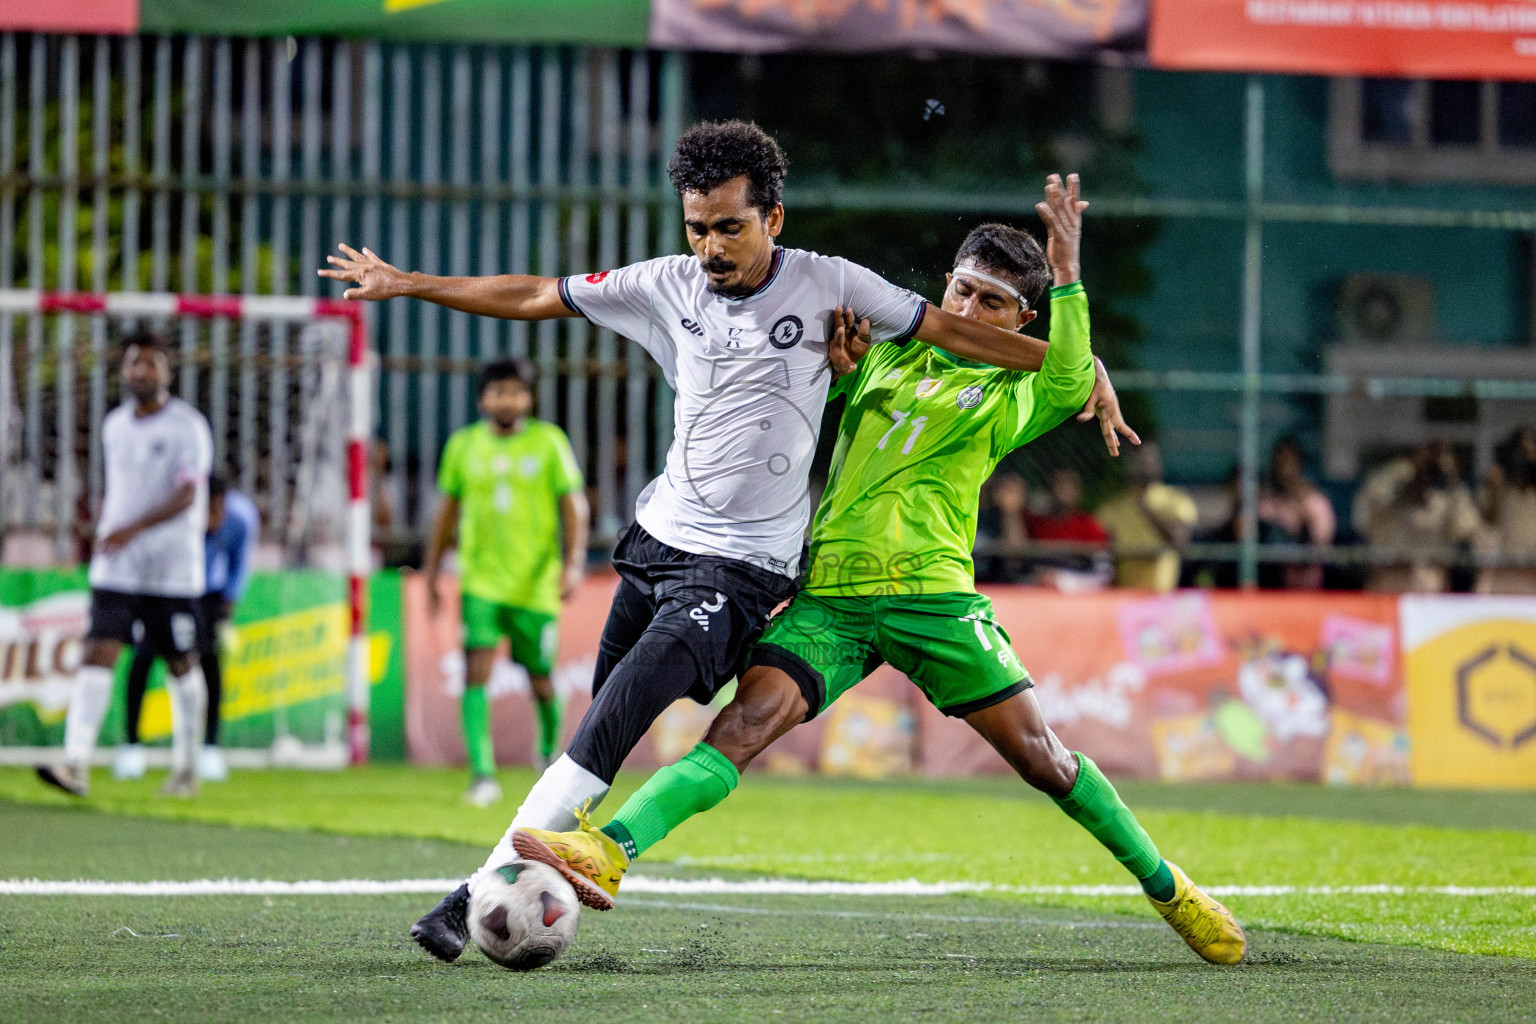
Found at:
(994, 282)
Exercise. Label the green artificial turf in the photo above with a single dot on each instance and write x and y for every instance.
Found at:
(984, 831)
(238, 959)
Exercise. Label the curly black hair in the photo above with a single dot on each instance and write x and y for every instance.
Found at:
(508, 369)
(713, 152)
(1013, 254)
(149, 340)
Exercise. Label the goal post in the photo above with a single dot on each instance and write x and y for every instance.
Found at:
(276, 309)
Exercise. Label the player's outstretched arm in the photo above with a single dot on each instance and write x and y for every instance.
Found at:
(979, 342)
(508, 296)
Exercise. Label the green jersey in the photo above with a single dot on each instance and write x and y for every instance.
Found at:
(922, 431)
(509, 490)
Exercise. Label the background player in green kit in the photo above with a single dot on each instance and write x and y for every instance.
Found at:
(513, 492)
(891, 579)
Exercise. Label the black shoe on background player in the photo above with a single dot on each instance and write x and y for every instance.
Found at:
(72, 779)
(445, 928)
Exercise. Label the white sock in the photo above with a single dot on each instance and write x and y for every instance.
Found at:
(551, 804)
(189, 700)
(88, 704)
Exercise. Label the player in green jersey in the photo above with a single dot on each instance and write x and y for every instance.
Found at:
(512, 491)
(891, 578)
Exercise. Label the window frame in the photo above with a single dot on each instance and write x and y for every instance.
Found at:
(1486, 162)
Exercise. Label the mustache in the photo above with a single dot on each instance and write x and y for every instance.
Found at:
(719, 265)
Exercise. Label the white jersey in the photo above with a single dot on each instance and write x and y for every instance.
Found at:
(751, 377)
(147, 458)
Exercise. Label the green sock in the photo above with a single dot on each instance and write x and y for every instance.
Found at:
(1094, 804)
(674, 794)
(476, 714)
(549, 725)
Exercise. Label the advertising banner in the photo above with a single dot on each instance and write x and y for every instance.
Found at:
(1471, 672)
(590, 22)
(284, 661)
(1391, 38)
(435, 674)
(435, 683)
(1021, 28)
(110, 17)
(1203, 686)
(1189, 686)
(1070, 28)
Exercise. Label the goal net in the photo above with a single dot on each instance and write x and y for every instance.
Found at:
(285, 384)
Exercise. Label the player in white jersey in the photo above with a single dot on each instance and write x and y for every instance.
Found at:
(743, 330)
(147, 570)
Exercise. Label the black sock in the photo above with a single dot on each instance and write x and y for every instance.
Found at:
(213, 674)
(138, 682)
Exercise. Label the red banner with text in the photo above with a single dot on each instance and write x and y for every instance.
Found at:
(1482, 39)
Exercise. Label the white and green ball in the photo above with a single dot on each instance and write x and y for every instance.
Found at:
(523, 915)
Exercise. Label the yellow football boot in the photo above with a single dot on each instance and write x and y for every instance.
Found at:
(1208, 927)
(592, 862)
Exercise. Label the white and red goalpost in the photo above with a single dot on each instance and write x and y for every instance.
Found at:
(278, 309)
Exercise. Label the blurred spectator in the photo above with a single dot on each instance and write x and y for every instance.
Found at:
(1003, 502)
(1148, 514)
(1219, 572)
(1294, 511)
(1068, 521)
(1418, 501)
(1509, 506)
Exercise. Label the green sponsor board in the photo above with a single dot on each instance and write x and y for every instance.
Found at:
(589, 22)
(284, 661)
(386, 667)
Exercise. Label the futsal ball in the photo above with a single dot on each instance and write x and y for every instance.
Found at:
(523, 915)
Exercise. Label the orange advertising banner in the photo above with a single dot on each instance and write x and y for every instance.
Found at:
(434, 666)
(1199, 685)
(1483, 39)
(435, 682)
(1187, 686)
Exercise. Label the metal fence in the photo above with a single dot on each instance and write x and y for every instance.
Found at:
(219, 165)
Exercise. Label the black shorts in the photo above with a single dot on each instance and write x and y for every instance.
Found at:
(164, 626)
(716, 606)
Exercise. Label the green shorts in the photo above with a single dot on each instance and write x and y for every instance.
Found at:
(948, 644)
(534, 636)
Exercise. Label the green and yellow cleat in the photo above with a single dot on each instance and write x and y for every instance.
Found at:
(592, 862)
(1208, 927)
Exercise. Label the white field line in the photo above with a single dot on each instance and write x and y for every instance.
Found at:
(751, 911)
(708, 887)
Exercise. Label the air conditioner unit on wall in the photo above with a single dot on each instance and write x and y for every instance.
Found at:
(1382, 309)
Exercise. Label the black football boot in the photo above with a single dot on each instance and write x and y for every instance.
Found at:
(445, 928)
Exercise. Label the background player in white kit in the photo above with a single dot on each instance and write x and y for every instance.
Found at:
(147, 571)
(742, 330)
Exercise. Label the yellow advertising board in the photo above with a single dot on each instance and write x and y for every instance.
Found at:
(1470, 666)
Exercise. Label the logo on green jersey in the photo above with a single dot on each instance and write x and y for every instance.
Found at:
(927, 386)
(970, 397)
